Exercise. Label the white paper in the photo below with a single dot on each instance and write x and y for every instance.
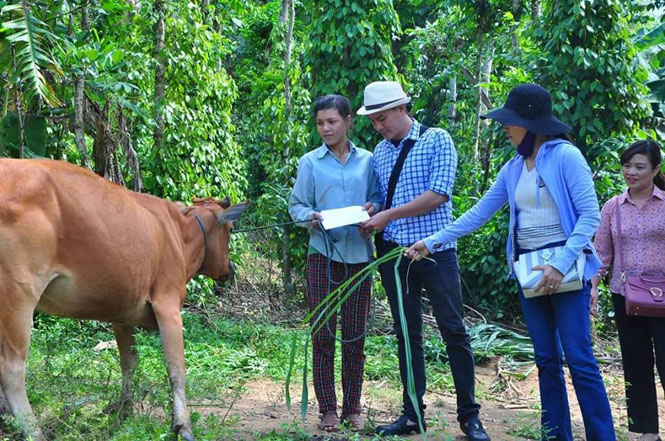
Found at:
(340, 217)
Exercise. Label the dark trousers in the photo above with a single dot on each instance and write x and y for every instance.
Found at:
(354, 313)
(638, 337)
(441, 280)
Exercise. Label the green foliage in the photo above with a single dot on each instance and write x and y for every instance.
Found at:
(348, 47)
(34, 131)
(200, 155)
(482, 255)
(588, 64)
(649, 41)
(230, 130)
(25, 43)
(489, 341)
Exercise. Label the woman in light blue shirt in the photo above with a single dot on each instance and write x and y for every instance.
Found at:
(552, 201)
(337, 174)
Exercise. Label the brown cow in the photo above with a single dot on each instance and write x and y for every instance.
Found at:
(75, 245)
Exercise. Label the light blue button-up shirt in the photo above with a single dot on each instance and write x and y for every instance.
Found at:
(325, 183)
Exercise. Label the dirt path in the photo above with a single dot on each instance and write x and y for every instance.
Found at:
(509, 409)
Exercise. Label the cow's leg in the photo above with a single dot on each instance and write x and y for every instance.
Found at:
(15, 326)
(170, 329)
(4, 404)
(124, 335)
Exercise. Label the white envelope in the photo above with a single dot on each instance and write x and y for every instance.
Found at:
(340, 217)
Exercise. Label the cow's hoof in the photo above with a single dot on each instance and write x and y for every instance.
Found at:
(184, 433)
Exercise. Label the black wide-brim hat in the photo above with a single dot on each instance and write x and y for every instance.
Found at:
(529, 106)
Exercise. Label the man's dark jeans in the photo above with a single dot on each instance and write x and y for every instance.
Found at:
(442, 283)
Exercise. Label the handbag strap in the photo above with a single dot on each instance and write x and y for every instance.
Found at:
(397, 168)
(617, 216)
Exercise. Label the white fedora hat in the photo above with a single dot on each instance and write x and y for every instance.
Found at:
(382, 95)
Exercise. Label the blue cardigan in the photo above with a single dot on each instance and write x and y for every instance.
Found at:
(567, 176)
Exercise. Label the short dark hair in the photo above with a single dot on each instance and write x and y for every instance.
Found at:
(337, 102)
(650, 149)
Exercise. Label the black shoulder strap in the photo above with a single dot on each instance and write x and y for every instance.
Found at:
(397, 168)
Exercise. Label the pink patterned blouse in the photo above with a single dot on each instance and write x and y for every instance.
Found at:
(643, 237)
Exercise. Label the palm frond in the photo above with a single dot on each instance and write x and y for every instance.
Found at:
(30, 38)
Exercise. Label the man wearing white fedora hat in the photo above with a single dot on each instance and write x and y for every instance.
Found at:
(416, 167)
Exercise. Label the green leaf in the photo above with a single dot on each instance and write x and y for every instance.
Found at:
(117, 56)
(29, 43)
(34, 135)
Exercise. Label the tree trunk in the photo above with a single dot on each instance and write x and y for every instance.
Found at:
(536, 10)
(131, 157)
(287, 67)
(5, 103)
(79, 103)
(284, 12)
(513, 29)
(479, 103)
(21, 127)
(79, 123)
(204, 9)
(160, 86)
(85, 19)
(452, 111)
(104, 148)
(288, 10)
(70, 25)
(486, 150)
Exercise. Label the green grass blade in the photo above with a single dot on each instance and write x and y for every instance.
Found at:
(305, 392)
(292, 357)
(410, 380)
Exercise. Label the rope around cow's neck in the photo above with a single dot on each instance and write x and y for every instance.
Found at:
(205, 238)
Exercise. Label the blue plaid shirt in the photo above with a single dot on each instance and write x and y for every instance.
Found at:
(430, 165)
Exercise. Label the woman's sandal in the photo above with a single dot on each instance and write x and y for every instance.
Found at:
(354, 421)
(329, 422)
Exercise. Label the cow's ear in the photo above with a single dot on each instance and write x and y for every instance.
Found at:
(232, 213)
(225, 203)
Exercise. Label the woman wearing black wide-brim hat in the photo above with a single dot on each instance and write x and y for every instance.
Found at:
(554, 211)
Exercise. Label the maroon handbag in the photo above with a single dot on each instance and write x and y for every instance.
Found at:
(644, 293)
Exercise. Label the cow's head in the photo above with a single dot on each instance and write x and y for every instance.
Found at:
(215, 218)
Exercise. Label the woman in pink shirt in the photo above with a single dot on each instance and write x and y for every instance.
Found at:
(642, 210)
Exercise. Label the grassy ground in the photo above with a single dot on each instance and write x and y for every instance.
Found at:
(236, 371)
(237, 352)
